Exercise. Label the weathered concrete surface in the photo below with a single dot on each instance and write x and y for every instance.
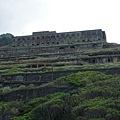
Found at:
(39, 92)
(26, 94)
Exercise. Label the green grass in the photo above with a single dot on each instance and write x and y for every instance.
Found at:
(97, 98)
(22, 68)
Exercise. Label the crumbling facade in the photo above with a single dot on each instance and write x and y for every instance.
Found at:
(47, 38)
(52, 42)
(38, 56)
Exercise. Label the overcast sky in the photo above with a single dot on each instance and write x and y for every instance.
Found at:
(22, 17)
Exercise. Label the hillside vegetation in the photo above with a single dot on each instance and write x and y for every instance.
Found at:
(5, 39)
(96, 97)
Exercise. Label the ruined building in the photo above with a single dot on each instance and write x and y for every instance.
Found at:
(52, 42)
(47, 38)
(48, 51)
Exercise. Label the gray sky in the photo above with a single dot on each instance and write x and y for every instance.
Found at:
(22, 17)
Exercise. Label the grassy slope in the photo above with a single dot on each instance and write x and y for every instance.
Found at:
(97, 98)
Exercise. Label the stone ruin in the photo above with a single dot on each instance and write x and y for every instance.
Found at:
(48, 49)
(52, 42)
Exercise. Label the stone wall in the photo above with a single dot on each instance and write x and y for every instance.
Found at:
(39, 92)
(52, 42)
(38, 79)
(102, 59)
(53, 38)
(18, 51)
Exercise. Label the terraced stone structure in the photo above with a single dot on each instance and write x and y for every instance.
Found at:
(47, 38)
(36, 57)
(52, 42)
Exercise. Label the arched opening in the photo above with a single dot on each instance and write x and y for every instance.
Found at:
(23, 38)
(89, 40)
(68, 36)
(61, 48)
(95, 45)
(40, 65)
(57, 42)
(83, 40)
(72, 47)
(93, 61)
(34, 66)
(58, 36)
(109, 60)
(73, 36)
(28, 66)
